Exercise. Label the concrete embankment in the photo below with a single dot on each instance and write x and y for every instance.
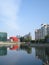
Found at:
(9, 43)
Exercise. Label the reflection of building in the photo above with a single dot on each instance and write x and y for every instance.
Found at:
(27, 35)
(26, 48)
(14, 47)
(3, 51)
(42, 32)
(3, 36)
(42, 54)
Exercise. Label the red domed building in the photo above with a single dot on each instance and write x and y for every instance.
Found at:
(14, 39)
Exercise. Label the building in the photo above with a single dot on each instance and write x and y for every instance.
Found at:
(3, 36)
(28, 36)
(14, 39)
(42, 32)
(37, 34)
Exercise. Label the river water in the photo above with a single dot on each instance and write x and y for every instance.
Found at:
(14, 55)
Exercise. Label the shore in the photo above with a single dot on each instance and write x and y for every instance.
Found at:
(18, 43)
(9, 43)
(36, 44)
(40, 45)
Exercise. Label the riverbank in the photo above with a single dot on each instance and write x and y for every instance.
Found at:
(35, 45)
(39, 45)
(9, 43)
(24, 43)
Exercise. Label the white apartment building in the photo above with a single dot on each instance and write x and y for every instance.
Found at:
(42, 32)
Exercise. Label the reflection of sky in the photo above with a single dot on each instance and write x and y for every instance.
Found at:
(19, 58)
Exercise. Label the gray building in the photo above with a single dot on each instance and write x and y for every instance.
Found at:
(28, 36)
(38, 34)
(3, 36)
(42, 32)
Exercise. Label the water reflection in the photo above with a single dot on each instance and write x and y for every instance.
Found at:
(14, 47)
(17, 47)
(3, 51)
(14, 57)
(43, 54)
(26, 48)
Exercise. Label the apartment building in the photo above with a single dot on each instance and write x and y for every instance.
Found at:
(42, 32)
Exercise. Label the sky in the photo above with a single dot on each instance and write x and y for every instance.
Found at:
(19, 17)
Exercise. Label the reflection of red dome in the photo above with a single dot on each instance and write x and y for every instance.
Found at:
(14, 47)
(14, 39)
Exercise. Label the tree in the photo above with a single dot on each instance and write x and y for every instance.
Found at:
(28, 37)
(47, 38)
(22, 39)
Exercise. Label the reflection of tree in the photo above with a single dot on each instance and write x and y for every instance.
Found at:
(3, 51)
(26, 48)
(29, 50)
(42, 54)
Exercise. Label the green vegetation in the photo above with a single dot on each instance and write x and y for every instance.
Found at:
(46, 40)
(26, 48)
(26, 38)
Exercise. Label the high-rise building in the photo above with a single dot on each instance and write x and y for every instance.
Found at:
(3, 36)
(37, 34)
(42, 32)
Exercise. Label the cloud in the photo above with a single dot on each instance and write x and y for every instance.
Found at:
(9, 10)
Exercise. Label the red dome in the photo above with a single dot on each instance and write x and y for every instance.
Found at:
(15, 39)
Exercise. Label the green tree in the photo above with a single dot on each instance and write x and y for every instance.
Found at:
(47, 38)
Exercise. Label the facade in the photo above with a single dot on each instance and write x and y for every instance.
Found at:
(28, 36)
(42, 32)
(38, 34)
(14, 39)
(3, 36)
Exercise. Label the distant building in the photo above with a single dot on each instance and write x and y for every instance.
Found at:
(18, 36)
(42, 32)
(28, 35)
(3, 36)
(41, 53)
(14, 39)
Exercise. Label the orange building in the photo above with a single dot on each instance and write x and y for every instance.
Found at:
(14, 39)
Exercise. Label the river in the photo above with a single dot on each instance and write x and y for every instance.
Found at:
(14, 55)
